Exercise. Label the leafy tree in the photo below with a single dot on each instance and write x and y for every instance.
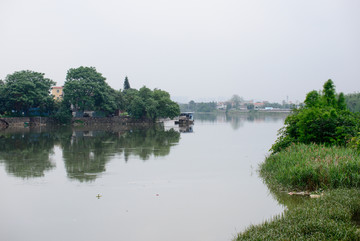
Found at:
(341, 103)
(24, 90)
(313, 99)
(63, 113)
(145, 103)
(329, 93)
(86, 89)
(236, 100)
(192, 105)
(166, 107)
(119, 100)
(326, 122)
(137, 107)
(250, 106)
(126, 83)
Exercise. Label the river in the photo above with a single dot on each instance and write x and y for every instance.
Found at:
(156, 184)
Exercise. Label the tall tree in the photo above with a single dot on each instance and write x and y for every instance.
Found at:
(126, 83)
(329, 93)
(236, 100)
(26, 89)
(341, 103)
(86, 89)
(313, 99)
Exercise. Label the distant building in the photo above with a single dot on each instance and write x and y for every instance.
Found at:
(57, 92)
(259, 105)
(221, 106)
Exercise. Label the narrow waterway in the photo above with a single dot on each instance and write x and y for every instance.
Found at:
(154, 184)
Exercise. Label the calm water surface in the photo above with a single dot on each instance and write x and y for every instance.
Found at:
(156, 184)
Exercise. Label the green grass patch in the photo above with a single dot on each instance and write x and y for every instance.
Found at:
(312, 167)
(332, 217)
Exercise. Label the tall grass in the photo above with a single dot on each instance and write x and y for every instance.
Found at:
(312, 167)
(331, 217)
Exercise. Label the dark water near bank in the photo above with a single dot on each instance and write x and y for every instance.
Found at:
(156, 184)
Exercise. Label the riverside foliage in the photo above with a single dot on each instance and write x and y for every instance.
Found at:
(84, 89)
(324, 120)
(332, 217)
(314, 153)
(313, 167)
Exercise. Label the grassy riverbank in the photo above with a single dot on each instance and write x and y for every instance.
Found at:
(334, 216)
(313, 154)
(312, 168)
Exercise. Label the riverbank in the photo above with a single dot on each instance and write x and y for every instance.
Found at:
(332, 171)
(335, 216)
(20, 122)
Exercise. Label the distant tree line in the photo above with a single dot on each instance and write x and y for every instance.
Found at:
(84, 89)
(234, 103)
(192, 106)
(353, 102)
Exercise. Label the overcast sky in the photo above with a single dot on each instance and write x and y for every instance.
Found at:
(194, 49)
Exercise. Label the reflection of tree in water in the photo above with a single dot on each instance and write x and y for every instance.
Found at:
(87, 152)
(237, 119)
(152, 141)
(27, 155)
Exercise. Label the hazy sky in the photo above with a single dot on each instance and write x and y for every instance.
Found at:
(194, 49)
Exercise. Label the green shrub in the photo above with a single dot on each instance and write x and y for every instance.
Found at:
(63, 116)
(323, 120)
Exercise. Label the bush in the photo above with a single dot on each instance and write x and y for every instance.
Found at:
(318, 125)
(323, 120)
(63, 116)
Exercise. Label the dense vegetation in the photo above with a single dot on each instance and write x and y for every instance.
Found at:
(24, 90)
(84, 89)
(324, 120)
(193, 106)
(317, 150)
(313, 167)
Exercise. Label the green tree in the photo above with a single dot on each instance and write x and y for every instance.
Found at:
(126, 83)
(24, 90)
(145, 103)
(323, 123)
(86, 89)
(341, 103)
(329, 95)
(166, 107)
(136, 107)
(313, 99)
(236, 101)
(192, 105)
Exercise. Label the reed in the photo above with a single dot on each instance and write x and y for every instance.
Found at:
(312, 167)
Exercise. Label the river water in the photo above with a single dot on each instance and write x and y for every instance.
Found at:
(156, 184)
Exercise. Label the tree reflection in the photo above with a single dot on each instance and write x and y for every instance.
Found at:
(27, 155)
(87, 151)
(237, 119)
